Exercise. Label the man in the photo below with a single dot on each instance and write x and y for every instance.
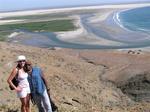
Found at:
(39, 88)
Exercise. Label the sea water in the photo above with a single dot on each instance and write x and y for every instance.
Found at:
(137, 19)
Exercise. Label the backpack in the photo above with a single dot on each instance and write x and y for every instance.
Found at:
(15, 81)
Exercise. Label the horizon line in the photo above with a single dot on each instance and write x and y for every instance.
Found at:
(70, 6)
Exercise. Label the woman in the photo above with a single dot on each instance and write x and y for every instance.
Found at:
(23, 89)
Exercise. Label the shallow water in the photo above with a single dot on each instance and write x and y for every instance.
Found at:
(136, 19)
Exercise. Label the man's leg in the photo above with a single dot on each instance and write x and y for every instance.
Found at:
(38, 102)
(46, 102)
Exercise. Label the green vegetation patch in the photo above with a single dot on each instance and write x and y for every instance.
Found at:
(48, 26)
(3, 35)
(43, 16)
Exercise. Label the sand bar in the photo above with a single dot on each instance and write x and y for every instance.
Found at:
(58, 10)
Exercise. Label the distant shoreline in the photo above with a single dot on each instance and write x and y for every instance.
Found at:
(58, 10)
(71, 6)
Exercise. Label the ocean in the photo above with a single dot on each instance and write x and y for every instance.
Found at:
(137, 19)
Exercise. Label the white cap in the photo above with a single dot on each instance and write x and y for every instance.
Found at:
(21, 57)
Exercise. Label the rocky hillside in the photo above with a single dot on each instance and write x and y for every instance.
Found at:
(83, 80)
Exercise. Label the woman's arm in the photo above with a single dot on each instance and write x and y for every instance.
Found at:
(12, 75)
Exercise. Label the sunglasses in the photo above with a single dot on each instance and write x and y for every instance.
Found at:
(22, 61)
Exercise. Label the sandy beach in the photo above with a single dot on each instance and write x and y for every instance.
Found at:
(99, 20)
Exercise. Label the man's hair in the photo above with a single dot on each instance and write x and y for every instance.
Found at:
(28, 63)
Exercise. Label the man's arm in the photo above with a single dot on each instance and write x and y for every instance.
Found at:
(45, 81)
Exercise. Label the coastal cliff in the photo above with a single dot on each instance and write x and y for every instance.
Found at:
(83, 80)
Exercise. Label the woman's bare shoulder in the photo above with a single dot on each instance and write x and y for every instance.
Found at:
(15, 69)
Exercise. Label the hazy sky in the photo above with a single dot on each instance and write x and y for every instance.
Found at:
(8, 5)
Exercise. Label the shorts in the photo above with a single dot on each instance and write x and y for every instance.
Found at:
(24, 92)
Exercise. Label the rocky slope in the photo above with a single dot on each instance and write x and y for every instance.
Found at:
(83, 80)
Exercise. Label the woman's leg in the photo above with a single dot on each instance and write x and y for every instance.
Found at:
(23, 104)
(28, 103)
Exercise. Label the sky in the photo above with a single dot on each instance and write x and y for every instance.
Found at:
(10, 5)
